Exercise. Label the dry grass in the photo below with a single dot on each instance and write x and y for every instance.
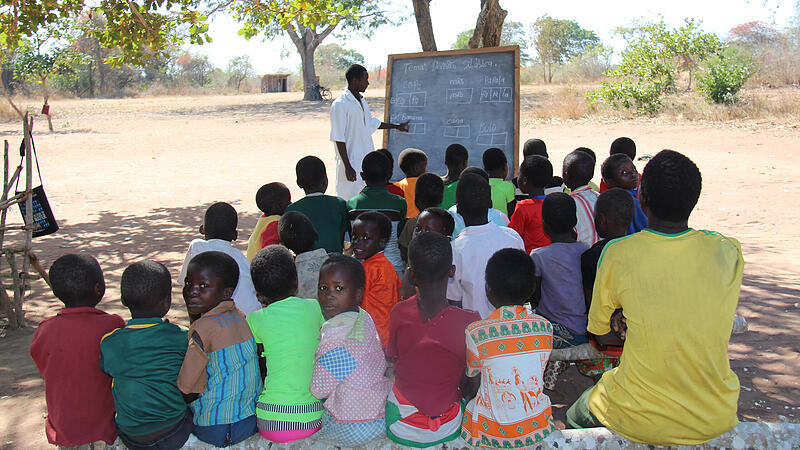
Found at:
(778, 104)
(7, 113)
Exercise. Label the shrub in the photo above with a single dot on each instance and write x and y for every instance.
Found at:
(724, 75)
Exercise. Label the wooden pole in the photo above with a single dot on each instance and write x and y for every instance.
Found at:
(5, 194)
(28, 128)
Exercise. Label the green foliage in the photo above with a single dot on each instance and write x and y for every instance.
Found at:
(336, 57)
(513, 34)
(557, 40)
(239, 69)
(724, 75)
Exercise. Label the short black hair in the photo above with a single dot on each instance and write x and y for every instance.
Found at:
(355, 71)
(455, 155)
(354, 268)
(494, 159)
(510, 275)
(381, 221)
(273, 271)
(220, 221)
(376, 167)
(430, 256)
(310, 170)
(477, 171)
(221, 264)
(609, 168)
(144, 284)
(537, 169)
(616, 204)
(296, 232)
(559, 212)
(429, 191)
(448, 223)
(387, 154)
(588, 151)
(624, 145)
(673, 186)
(271, 194)
(534, 147)
(410, 157)
(73, 277)
(580, 166)
(473, 195)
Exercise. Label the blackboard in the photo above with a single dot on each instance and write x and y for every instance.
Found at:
(470, 97)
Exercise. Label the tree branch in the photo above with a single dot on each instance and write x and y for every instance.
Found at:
(321, 37)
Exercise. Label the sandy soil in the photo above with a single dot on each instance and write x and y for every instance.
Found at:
(130, 179)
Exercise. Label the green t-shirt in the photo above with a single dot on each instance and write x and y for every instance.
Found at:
(502, 194)
(328, 214)
(449, 197)
(289, 331)
(378, 198)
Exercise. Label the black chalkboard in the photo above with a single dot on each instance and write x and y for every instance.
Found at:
(470, 97)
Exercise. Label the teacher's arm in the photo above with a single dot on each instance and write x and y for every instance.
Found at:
(394, 126)
(349, 172)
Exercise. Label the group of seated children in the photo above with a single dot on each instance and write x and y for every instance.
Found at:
(450, 337)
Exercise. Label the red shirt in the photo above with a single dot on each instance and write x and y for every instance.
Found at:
(270, 234)
(381, 292)
(66, 350)
(527, 221)
(396, 190)
(431, 356)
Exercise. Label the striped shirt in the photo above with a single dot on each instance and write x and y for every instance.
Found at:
(585, 201)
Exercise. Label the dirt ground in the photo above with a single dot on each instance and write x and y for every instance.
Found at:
(130, 179)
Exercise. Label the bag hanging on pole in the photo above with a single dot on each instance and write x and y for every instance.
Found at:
(43, 219)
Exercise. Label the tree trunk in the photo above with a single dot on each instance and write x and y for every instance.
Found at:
(544, 71)
(46, 107)
(489, 26)
(306, 40)
(422, 12)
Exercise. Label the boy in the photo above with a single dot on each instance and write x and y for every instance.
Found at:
(221, 364)
(298, 235)
(219, 231)
(618, 171)
(577, 172)
(272, 199)
(391, 187)
(328, 214)
(537, 147)
(382, 287)
(592, 155)
(623, 145)
(66, 347)
(427, 343)
(456, 158)
(476, 244)
(287, 333)
(534, 174)
(674, 385)
(510, 410)
(428, 194)
(495, 164)
(143, 360)
(413, 163)
(436, 220)
(494, 215)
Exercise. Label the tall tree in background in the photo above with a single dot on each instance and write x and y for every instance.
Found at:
(489, 26)
(239, 69)
(422, 12)
(557, 40)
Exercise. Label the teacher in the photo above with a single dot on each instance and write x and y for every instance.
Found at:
(352, 126)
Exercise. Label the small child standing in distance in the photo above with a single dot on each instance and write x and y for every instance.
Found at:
(510, 396)
(495, 164)
(272, 199)
(382, 287)
(577, 172)
(413, 162)
(66, 347)
(428, 194)
(349, 363)
(391, 187)
(427, 341)
(436, 220)
(287, 333)
(298, 235)
(221, 363)
(143, 360)
(618, 171)
(327, 213)
(219, 231)
(623, 145)
(456, 158)
(534, 174)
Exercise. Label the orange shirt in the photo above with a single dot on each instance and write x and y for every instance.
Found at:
(409, 186)
(381, 292)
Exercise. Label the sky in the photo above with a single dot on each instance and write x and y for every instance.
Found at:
(451, 17)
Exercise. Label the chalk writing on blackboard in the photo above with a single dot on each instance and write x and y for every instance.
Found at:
(459, 96)
(410, 100)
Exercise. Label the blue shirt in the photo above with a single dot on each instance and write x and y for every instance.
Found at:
(639, 222)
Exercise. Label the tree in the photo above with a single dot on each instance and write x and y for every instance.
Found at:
(196, 69)
(239, 69)
(513, 34)
(557, 40)
(422, 13)
(337, 57)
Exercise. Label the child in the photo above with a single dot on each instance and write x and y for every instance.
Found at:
(592, 155)
(577, 171)
(272, 199)
(456, 158)
(66, 347)
(391, 187)
(428, 194)
(678, 288)
(476, 244)
(618, 171)
(623, 145)
(298, 235)
(143, 360)
(495, 164)
(221, 364)
(413, 163)
(327, 213)
(287, 333)
(534, 174)
(382, 287)
(427, 342)
(349, 364)
(436, 220)
(494, 215)
(219, 231)
(537, 147)
(375, 197)
(510, 409)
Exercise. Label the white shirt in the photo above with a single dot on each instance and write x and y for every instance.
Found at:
(244, 296)
(494, 215)
(585, 201)
(353, 124)
(471, 251)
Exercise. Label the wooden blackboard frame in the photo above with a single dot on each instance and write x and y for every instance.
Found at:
(468, 51)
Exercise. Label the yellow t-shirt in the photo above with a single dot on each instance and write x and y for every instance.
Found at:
(265, 233)
(674, 384)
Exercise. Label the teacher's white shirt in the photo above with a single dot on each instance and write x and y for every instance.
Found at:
(353, 124)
